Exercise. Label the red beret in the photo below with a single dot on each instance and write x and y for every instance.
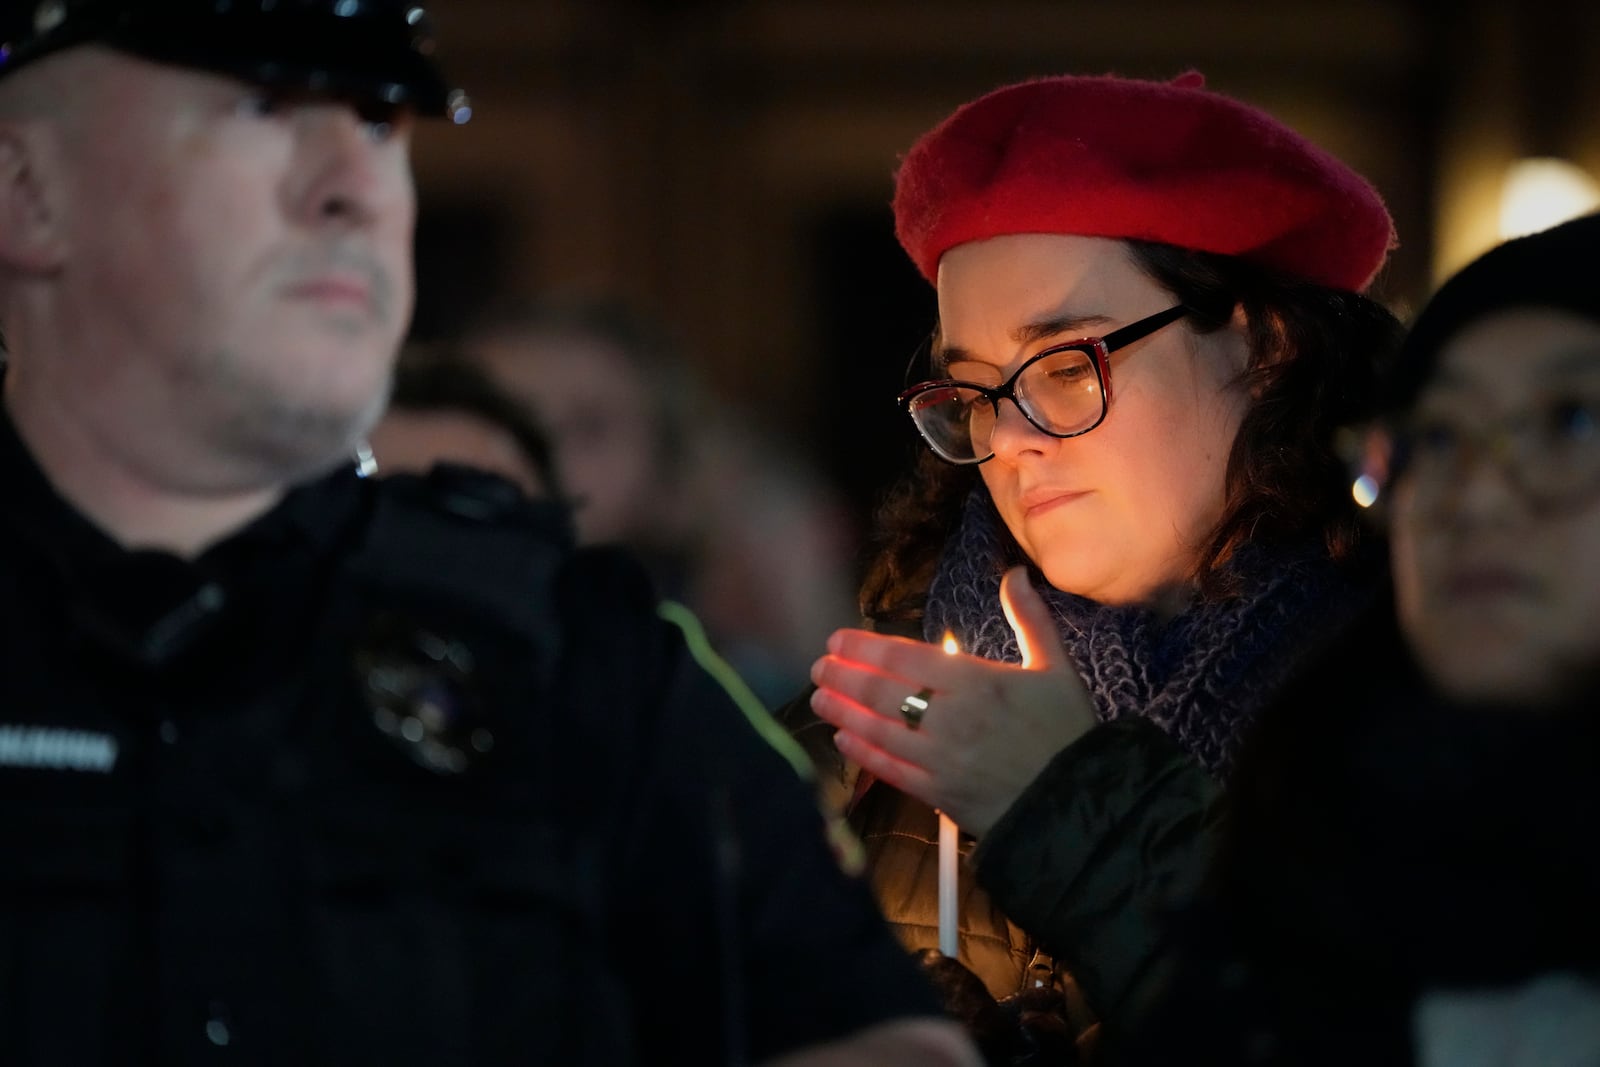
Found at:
(1153, 161)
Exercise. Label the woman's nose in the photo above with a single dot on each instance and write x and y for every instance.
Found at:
(1013, 434)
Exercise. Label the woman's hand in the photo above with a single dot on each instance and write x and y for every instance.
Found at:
(989, 728)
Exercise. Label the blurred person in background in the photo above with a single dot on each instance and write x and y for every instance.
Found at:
(444, 410)
(621, 408)
(1408, 873)
(1131, 519)
(740, 530)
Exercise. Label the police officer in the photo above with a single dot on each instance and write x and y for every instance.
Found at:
(300, 767)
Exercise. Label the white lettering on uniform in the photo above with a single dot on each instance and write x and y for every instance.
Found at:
(55, 749)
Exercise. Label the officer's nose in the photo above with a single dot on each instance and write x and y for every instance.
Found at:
(357, 168)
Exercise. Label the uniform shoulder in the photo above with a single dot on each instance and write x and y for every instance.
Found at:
(471, 496)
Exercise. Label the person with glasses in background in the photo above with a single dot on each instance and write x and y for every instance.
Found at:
(1130, 517)
(1407, 871)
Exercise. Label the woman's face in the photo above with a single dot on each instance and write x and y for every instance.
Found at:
(1120, 513)
(1499, 590)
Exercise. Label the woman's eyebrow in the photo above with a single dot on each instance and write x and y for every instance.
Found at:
(1026, 334)
(1039, 331)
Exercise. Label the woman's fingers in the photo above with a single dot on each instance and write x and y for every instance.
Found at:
(956, 731)
(860, 682)
(886, 766)
(913, 661)
(1032, 622)
(880, 725)
(885, 746)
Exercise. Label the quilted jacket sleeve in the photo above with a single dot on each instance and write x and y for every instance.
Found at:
(1097, 852)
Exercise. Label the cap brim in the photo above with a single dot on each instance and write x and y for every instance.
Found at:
(363, 57)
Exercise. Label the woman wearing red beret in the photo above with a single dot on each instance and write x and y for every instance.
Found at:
(1129, 517)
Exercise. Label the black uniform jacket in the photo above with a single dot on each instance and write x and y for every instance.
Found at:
(394, 776)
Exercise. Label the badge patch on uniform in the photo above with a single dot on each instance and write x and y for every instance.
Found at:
(420, 688)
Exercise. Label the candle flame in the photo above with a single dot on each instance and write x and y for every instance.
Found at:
(950, 646)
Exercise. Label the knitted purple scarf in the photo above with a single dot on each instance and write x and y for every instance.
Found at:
(1201, 676)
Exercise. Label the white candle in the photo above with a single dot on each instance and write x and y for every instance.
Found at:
(949, 856)
(949, 942)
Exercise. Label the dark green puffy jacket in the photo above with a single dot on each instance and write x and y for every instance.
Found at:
(1074, 883)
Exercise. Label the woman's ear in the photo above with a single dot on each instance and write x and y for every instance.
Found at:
(1234, 338)
(31, 237)
(1272, 350)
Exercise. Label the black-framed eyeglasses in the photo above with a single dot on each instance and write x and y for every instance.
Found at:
(1064, 391)
(1550, 454)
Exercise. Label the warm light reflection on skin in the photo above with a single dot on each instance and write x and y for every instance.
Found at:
(1116, 515)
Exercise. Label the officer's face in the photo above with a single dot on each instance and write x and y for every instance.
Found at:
(243, 258)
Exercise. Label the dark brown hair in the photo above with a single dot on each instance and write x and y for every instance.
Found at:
(438, 380)
(1315, 357)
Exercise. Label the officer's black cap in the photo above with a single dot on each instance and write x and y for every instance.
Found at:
(371, 50)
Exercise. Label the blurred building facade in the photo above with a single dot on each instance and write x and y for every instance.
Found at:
(726, 164)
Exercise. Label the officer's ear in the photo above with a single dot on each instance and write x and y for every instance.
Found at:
(31, 236)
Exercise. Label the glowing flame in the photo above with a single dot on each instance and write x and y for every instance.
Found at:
(950, 646)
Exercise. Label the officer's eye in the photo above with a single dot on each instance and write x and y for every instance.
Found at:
(262, 103)
(382, 122)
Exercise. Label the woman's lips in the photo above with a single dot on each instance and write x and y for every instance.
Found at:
(1036, 502)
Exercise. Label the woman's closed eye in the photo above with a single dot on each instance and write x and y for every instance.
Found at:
(1071, 373)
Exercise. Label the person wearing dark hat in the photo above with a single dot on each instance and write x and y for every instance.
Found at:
(1130, 516)
(1407, 871)
(1503, 362)
(305, 767)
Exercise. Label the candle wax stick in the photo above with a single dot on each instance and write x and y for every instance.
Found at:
(949, 942)
(949, 911)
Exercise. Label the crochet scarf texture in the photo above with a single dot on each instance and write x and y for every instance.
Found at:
(1202, 675)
